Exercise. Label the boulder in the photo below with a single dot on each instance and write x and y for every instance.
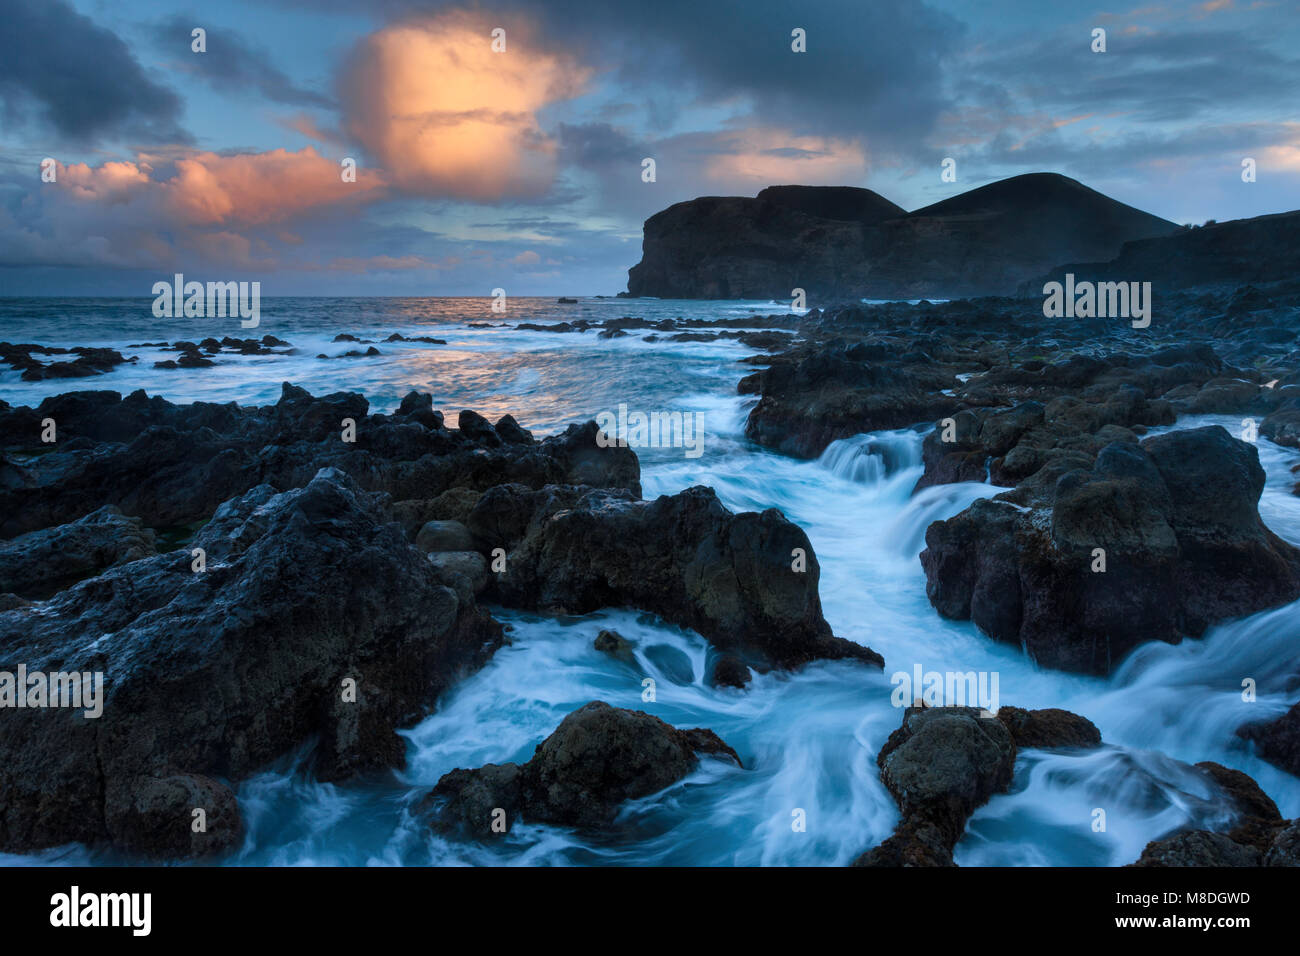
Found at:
(596, 760)
(444, 536)
(731, 577)
(1050, 727)
(1175, 522)
(940, 765)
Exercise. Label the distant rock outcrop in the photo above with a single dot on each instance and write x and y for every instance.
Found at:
(839, 241)
(1259, 250)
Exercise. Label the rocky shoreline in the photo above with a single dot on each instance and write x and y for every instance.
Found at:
(310, 577)
(310, 574)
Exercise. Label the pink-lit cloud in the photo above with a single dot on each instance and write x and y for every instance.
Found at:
(445, 115)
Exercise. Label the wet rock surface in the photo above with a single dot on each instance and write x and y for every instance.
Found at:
(1277, 741)
(1261, 837)
(216, 672)
(1107, 536)
(940, 765)
(599, 758)
(1049, 727)
(731, 577)
(1181, 547)
(37, 564)
(174, 464)
(326, 591)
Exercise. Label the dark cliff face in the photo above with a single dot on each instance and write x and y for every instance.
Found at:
(840, 241)
(1259, 250)
(739, 248)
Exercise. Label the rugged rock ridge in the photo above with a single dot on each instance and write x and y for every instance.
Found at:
(174, 464)
(209, 675)
(841, 241)
(1259, 250)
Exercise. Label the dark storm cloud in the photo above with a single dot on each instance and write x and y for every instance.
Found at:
(1152, 78)
(79, 79)
(233, 62)
(873, 69)
(595, 145)
(1164, 76)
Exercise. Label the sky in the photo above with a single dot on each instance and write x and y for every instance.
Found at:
(482, 164)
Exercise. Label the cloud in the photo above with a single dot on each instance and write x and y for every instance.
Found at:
(447, 116)
(872, 68)
(764, 156)
(256, 188)
(232, 61)
(157, 210)
(367, 264)
(78, 80)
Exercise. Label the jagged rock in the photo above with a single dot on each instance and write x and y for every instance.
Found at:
(1259, 837)
(215, 673)
(1049, 727)
(37, 564)
(597, 759)
(1285, 850)
(1198, 848)
(810, 402)
(174, 464)
(155, 816)
(940, 765)
(685, 557)
(1183, 544)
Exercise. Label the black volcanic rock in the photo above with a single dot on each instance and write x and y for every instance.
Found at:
(1259, 837)
(731, 577)
(598, 758)
(812, 400)
(216, 672)
(1257, 250)
(846, 242)
(174, 464)
(1183, 543)
(1049, 727)
(1277, 741)
(37, 564)
(940, 765)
